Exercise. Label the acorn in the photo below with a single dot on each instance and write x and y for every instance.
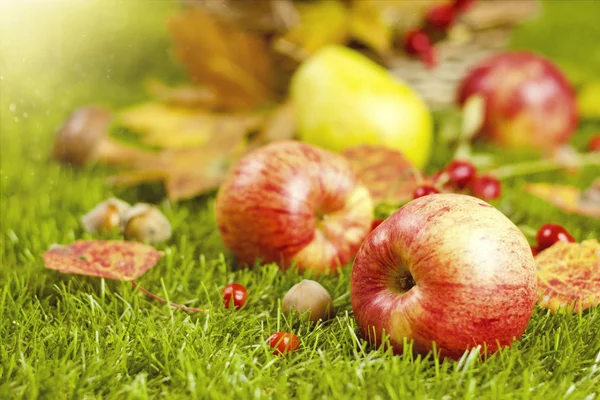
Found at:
(105, 216)
(310, 297)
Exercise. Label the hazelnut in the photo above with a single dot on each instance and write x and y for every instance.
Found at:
(308, 296)
(145, 222)
(105, 216)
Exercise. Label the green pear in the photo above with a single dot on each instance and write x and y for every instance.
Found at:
(342, 99)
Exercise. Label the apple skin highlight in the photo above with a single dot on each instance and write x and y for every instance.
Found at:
(291, 202)
(472, 270)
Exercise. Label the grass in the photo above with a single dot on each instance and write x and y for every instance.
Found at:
(77, 337)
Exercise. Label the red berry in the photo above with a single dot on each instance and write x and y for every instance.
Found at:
(235, 292)
(417, 42)
(534, 250)
(424, 191)
(486, 187)
(376, 223)
(594, 143)
(549, 234)
(441, 16)
(462, 5)
(461, 173)
(283, 342)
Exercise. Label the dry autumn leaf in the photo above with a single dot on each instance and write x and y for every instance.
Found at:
(232, 63)
(188, 172)
(569, 275)
(189, 96)
(369, 25)
(107, 259)
(569, 198)
(320, 23)
(176, 127)
(388, 175)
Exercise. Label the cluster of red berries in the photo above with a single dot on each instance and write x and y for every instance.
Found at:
(235, 295)
(461, 175)
(549, 234)
(438, 20)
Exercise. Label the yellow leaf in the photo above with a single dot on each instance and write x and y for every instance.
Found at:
(320, 23)
(568, 198)
(369, 26)
(175, 127)
(589, 100)
(569, 275)
(232, 63)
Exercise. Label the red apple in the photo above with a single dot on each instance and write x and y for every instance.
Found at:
(449, 269)
(290, 202)
(528, 101)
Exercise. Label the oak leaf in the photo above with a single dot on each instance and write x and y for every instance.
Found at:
(232, 63)
(387, 173)
(569, 275)
(110, 259)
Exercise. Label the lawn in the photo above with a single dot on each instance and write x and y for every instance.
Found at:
(65, 336)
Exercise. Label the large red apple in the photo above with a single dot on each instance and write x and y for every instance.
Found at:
(528, 101)
(290, 202)
(445, 268)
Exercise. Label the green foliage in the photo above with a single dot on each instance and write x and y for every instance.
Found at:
(78, 337)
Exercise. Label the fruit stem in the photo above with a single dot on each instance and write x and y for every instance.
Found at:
(544, 165)
(150, 294)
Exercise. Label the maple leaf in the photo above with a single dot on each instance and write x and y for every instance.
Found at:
(569, 198)
(232, 63)
(569, 275)
(166, 126)
(110, 259)
(320, 24)
(387, 173)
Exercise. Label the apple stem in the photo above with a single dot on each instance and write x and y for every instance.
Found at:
(544, 165)
(150, 294)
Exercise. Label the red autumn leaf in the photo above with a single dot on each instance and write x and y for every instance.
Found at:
(110, 259)
(569, 275)
(388, 175)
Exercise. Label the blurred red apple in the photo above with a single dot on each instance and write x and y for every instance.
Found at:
(528, 101)
(293, 202)
(449, 269)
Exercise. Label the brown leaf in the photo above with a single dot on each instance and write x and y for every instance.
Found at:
(175, 127)
(569, 198)
(187, 172)
(569, 275)
(280, 124)
(234, 64)
(183, 96)
(107, 259)
(320, 23)
(388, 174)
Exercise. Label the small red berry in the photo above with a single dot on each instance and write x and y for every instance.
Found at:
(376, 223)
(462, 5)
(486, 187)
(236, 293)
(417, 42)
(424, 191)
(441, 16)
(283, 342)
(534, 250)
(461, 173)
(549, 234)
(594, 144)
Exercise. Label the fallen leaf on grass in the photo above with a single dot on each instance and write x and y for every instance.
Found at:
(188, 172)
(110, 259)
(176, 127)
(569, 198)
(569, 275)
(320, 23)
(387, 173)
(232, 63)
